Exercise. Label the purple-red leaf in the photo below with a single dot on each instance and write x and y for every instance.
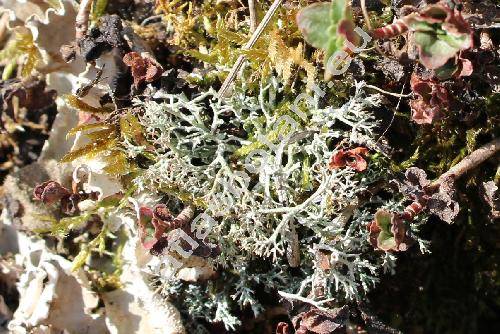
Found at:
(50, 192)
(432, 100)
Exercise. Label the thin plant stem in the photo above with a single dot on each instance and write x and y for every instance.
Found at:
(253, 15)
(255, 36)
(386, 92)
(470, 162)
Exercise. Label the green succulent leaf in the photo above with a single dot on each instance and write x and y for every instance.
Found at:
(338, 10)
(457, 42)
(315, 23)
(386, 238)
(440, 35)
(326, 25)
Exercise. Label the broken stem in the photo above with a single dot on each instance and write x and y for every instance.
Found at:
(82, 19)
(470, 162)
(255, 36)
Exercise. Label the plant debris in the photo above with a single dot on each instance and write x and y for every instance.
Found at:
(432, 100)
(143, 69)
(316, 321)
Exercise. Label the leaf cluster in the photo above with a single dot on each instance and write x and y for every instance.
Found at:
(106, 138)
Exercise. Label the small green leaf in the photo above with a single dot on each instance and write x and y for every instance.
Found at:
(101, 242)
(87, 127)
(383, 218)
(440, 34)
(306, 177)
(338, 10)
(9, 70)
(385, 239)
(327, 25)
(420, 25)
(110, 201)
(456, 42)
(90, 150)
(434, 52)
(131, 129)
(315, 23)
(55, 4)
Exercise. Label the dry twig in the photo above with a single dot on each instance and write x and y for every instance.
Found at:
(255, 36)
(253, 15)
(470, 162)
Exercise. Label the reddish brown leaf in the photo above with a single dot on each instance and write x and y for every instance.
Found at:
(373, 233)
(145, 223)
(464, 67)
(50, 192)
(353, 158)
(432, 100)
(161, 212)
(346, 28)
(154, 223)
(69, 204)
(316, 321)
(323, 260)
(144, 69)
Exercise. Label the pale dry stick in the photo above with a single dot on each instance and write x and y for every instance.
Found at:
(293, 249)
(317, 304)
(365, 14)
(470, 162)
(255, 36)
(388, 93)
(486, 26)
(82, 19)
(151, 18)
(253, 15)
